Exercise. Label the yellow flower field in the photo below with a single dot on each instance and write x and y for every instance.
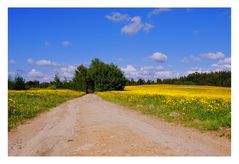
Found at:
(204, 107)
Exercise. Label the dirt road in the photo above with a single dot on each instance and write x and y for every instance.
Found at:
(92, 126)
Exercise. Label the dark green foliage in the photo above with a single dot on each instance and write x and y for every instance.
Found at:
(11, 84)
(106, 77)
(140, 82)
(19, 83)
(43, 85)
(80, 78)
(32, 84)
(222, 78)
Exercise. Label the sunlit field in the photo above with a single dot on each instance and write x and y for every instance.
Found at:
(203, 107)
(26, 104)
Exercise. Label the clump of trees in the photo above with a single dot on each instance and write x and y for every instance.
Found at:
(99, 77)
(18, 83)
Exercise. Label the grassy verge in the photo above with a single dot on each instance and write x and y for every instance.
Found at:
(199, 112)
(23, 105)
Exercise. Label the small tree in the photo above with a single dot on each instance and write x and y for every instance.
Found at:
(57, 81)
(140, 82)
(19, 83)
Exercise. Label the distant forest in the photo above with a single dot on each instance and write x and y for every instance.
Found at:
(222, 78)
(106, 77)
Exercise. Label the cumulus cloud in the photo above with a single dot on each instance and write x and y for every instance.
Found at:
(43, 62)
(118, 17)
(135, 25)
(158, 11)
(212, 55)
(148, 72)
(12, 61)
(129, 68)
(35, 74)
(206, 56)
(159, 57)
(30, 61)
(222, 65)
(67, 71)
(66, 43)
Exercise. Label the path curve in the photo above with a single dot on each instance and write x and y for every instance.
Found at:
(90, 125)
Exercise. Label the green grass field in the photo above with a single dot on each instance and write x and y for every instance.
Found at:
(23, 105)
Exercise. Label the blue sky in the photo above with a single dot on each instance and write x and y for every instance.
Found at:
(145, 43)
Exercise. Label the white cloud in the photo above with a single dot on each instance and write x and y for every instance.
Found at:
(43, 62)
(222, 65)
(35, 74)
(118, 17)
(159, 57)
(158, 11)
(134, 26)
(30, 61)
(67, 71)
(130, 71)
(211, 55)
(12, 61)
(147, 27)
(129, 68)
(148, 72)
(197, 69)
(166, 74)
(66, 43)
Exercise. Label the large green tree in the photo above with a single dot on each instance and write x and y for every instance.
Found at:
(106, 77)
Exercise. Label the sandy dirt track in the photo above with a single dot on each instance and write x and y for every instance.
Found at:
(91, 126)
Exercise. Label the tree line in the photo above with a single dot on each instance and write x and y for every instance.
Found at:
(98, 77)
(106, 77)
(221, 78)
